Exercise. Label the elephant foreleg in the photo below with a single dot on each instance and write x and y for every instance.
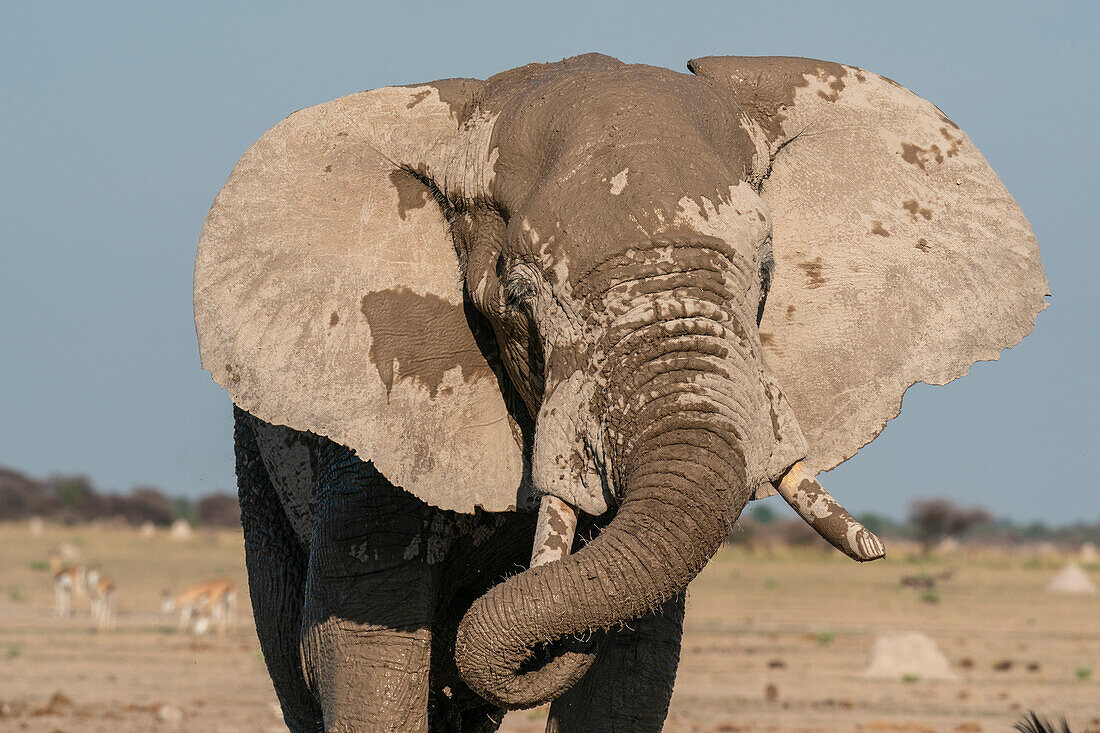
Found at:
(629, 686)
(367, 630)
(276, 565)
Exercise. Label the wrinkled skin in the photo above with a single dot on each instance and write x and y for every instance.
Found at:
(629, 331)
(614, 254)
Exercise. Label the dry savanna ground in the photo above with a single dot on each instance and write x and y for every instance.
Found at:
(774, 642)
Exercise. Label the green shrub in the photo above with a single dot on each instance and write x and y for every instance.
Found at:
(931, 596)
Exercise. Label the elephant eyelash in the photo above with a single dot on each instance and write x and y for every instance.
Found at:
(520, 287)
(518, 291)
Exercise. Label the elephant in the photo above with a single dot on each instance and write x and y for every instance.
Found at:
(509, 357)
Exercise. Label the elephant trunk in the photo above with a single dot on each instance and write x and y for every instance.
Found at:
(684, 475)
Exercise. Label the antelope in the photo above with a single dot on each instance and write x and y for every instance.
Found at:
(102, 591)
(205, 603)
(67, 580)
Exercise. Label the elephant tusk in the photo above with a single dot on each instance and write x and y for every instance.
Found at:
(828, 518)
(554, 532)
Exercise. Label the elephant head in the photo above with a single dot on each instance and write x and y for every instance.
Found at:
(618, 287)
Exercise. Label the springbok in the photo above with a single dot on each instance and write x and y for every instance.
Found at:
(102, 591)
(67, 580)
(206, 603)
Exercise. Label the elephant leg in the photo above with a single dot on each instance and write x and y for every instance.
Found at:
(366, 635)
(276, 580)
(629, 686)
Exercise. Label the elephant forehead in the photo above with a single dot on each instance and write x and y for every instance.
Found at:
(689, 233)
(591, 125)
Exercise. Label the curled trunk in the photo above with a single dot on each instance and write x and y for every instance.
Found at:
(685, 484)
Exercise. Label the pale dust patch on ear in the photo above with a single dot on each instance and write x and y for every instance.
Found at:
(618, 182)
(313, 201)
(904, 201)
(926, 263)
(461, 159)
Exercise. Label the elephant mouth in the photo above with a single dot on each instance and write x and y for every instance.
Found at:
(562, 662)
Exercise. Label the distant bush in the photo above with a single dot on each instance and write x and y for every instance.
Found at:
(218, 510)
(74, 500)
(929, 522)
(938, 519)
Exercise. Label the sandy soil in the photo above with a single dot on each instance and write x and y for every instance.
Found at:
(773, 643)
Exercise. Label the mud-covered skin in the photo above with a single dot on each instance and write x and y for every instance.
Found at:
(552, 284)
(649, 648)
(631, 218)
(376, 594)
(620, 265)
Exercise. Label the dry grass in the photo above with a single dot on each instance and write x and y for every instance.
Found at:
(773, 643)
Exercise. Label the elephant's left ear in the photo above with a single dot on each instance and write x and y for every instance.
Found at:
(900, 256)
(329, 298)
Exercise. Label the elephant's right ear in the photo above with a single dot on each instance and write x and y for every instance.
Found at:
(900, 257)
(328, 296)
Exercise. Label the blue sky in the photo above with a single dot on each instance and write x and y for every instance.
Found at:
(120, 122)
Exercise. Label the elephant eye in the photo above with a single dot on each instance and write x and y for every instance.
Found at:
(518, 292)
(519, 287)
